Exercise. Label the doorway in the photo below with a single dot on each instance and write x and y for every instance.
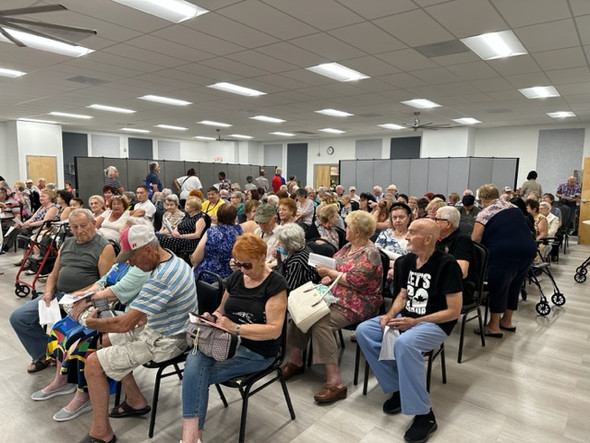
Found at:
(326, 175)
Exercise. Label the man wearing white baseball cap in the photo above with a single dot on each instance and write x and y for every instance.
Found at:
(153, 328)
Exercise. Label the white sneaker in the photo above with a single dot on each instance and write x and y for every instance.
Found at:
(65, 415)
(45, 395)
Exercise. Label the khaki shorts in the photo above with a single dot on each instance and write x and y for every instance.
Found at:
(137, 347)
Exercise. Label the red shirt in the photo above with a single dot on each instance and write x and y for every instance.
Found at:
(276, 183)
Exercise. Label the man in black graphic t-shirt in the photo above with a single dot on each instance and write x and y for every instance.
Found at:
(423, 314)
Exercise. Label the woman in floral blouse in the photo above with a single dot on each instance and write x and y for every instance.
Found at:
(359, 297)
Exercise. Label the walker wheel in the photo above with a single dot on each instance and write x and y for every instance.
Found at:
(558, 299)
(21, 290)
(583, 271)
(543, 308)
(579, 278)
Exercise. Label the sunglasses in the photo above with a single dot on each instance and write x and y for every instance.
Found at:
(440, 219)
(247, 266)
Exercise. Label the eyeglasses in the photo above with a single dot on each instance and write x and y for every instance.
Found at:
(440, 219)
(247, 266)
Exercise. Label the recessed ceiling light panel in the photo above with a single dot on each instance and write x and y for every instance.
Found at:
(466, 121)
(265, 118)
(111, 109)
(213, 123)
(332, 131)
(202, 137)
(175, 11)
(236, 89)
(138, 131)
(68, 115)
(283, 134)
(391, 126)
(165, 100)
(421, 103)
(35, 120)
(338, 72)
(539, 92)
(11, 73)
(334, 113)
(45, 44)
(172, 127)
(245, 137)
(561, 114)
(495, 45)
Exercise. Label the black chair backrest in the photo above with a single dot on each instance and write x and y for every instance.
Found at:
(385, 260)
(209, 295)
(322, 246)
(480, 257)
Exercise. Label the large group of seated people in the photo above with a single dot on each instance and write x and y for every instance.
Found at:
(414, 250)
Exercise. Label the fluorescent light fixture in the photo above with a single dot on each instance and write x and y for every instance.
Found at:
(175, 11)
(65, 114)
(495, 45)
(539, 92)
(236, 89)
(212, 123)
(245, 137)
(561, 114)
(46, 44)
(421, 103)
(111, 109)
(202, 137)
(34, 120)
(139, 131)
(391, 126)
(332, 131)
(338, 72)
(264, 118)
(11, 73)
(334, 113)
(467, 121)
(174, 128)
(165, 100)
(283, 134)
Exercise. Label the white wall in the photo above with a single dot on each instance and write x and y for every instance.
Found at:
(39, 139)
(453, 142)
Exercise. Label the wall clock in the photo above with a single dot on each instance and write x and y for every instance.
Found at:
(330, 150)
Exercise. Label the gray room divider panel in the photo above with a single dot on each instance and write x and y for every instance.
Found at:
(368, 149)
(503, 173)
(364, 176)
(560, 152)
(400, 175)
(90, 178)
(73, 145)
(297, 161)
(438, 175)
(137, 170)
(233, 172)
(419, 177)
(347, 174)
(208, 174)
(458, 180)
(381, 170)
(480, 172)
(140, 148)
(170, 171)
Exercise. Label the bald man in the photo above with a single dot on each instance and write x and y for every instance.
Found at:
(428, 303)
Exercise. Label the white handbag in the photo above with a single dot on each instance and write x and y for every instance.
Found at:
(306, 304)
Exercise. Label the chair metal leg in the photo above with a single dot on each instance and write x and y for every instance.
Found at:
(429, 371)
(155, 396)
(286, 394)
(443, 364)
(366, 380)
(221, 396)
(245, 398)
(462, 337)
(341, 338)
(481, 329)
(357, 360)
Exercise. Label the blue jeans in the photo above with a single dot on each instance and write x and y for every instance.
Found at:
(201, 371)
(25, 322)
(406, 373)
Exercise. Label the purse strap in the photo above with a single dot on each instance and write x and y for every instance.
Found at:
(335, 281)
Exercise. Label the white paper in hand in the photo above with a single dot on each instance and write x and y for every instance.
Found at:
(316, 260)
(49, 315)
(387, 345)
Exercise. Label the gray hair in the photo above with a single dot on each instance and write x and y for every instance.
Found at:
(165, 193)
(132, 221)
(110, 171)
(451, 214)
(82, 211)
(292, 236)
(273, 200)
(239, 194)
(172, 198)
(153, 166)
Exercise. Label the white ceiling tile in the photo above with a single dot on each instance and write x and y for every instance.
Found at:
(321, 14)
(583, 27)
(528, 80)
(560, 58)
(473, 71)
(482, 17)
(548, 36)
(407, 60)
(570, 75)
(368, 37)
(372, 9)
(234, 67)
(402, 80)
(436, 76)
(144, 55)
(327, 46)
(414, 28)
(262, 61)
(522, 64)
(371, 66)
(522, 13)
(292, 54)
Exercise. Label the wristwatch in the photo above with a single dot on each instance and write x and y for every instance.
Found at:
(238, 330)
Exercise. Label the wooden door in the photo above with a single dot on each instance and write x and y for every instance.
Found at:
(322, 176)
(583, 229)
(41, 166)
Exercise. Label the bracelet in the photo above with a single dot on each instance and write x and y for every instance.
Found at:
(214, 317)
(238, 330)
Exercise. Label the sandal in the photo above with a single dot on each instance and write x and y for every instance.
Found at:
(38, 365)
(128, 411)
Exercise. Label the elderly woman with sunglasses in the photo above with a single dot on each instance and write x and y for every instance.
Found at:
(253, 307)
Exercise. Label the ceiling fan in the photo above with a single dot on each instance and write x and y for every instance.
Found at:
(220, 139)
(417, 124)
(61, 33)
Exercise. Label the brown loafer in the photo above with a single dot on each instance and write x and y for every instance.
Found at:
(330, 393)
(290, 370)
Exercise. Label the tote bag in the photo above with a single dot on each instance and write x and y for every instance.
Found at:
(306, 304)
